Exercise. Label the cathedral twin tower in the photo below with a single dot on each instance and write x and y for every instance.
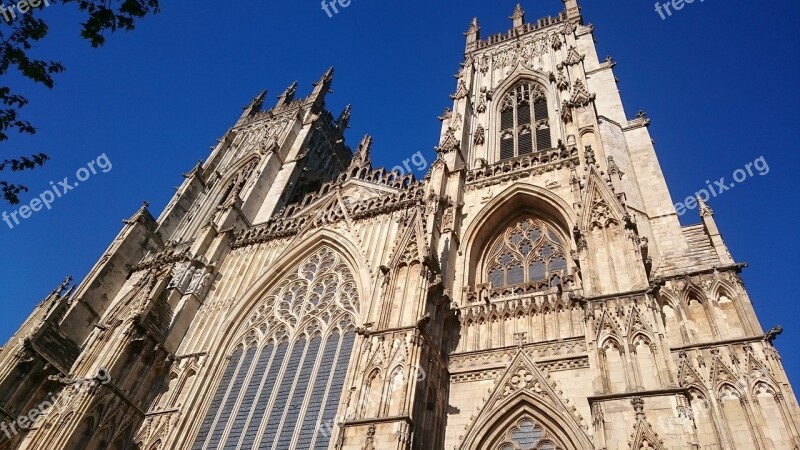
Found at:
(534, 291)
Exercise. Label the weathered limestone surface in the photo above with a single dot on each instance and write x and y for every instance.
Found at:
(534, 291)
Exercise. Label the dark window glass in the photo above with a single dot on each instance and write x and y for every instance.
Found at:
(233, 395)
(216, 402)
(249, 397)
(529, 250)
(267, 389)
(282, 396)
(524, 127)
(295, 404)
(335, 393)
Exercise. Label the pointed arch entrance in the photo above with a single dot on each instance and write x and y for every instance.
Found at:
(525, 412)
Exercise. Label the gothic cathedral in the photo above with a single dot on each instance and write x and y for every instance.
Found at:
(535, 291)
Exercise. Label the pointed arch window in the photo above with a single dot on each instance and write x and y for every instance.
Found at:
(524, 121)
(284, 390)
(528, 435)
(528, 251)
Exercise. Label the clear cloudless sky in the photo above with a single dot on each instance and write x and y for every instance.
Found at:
(718, 79)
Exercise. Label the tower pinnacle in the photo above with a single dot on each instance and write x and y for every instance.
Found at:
(518, 18)
(473, 35)
(362, 155)
(288, 95)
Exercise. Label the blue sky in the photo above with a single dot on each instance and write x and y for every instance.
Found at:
(718, 79)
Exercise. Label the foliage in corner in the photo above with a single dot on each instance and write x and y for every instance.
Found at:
(17, 38)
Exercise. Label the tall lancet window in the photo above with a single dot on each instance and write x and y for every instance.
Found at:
(528, 251)
(524, 121)
(283, 381)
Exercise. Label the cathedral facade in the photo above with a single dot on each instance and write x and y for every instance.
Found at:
(535, 290)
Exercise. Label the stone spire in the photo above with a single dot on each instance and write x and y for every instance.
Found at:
(362, 155)
(254, 106)
(322, 87)
(343, 122)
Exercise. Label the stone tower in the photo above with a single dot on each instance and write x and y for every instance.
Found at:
(535, 291)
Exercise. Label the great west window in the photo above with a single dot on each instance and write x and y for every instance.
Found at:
(282, 383)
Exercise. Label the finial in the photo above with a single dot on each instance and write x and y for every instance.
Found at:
(519, 16)
(288, 95)
(518, 12)
(327, 77)
(258, 100)
(254, 106)
(474, 27)
(62, 286)
(613, 168)
(343, 121)
(362, 155)
(703, 208)
(473, 35)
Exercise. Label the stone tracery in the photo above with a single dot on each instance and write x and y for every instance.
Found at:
(528, 251)
(298, 339)
(528, 435)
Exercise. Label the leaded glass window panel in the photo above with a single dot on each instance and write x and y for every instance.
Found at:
(284, 390)
(265, 392)
(524, 121)
(249, 397)
(528, 251)
(230, 400)
(216, 402)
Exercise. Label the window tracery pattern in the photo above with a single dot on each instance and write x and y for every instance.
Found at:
(528, 435)
(529, 251)
(284, 380)
(524, 121)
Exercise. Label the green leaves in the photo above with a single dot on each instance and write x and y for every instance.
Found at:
(112, 16)
(11, 191)
(18, 39)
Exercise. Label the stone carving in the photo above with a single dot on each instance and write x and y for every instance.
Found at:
(480, 135)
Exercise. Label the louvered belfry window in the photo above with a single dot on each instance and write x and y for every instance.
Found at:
(282, 384)
(524, 121)
(528, 251)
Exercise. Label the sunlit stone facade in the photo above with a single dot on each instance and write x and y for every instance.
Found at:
(534, 291)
